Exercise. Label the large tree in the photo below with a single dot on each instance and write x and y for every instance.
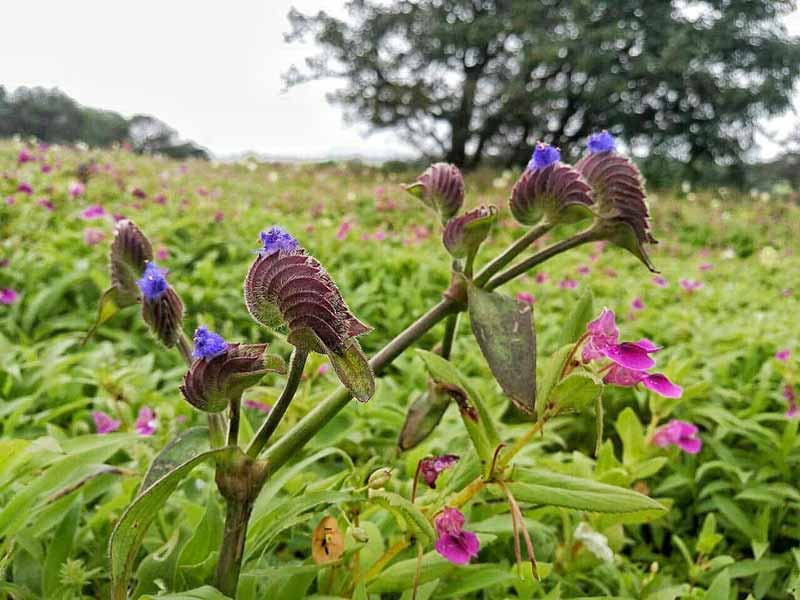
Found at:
(471, 79)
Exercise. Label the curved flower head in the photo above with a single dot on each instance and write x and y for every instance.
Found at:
(601, 142)
(130, 254)
(441, 187)
(207, 344)
(162, 309)
(276, 239)
(543, 156)
(453, 543)
(619, 196)
(679, 433)
(104, 423)
(289, 289)
(211, 383)
(431, 467)
(464, 234)
(554, 192)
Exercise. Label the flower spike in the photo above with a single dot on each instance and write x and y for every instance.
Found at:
(162, 309)
(131, 251)
(441, 187)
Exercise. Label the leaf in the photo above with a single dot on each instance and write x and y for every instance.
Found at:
(581, 314)
(720, 588)
(202, 593)
(407, 511)
(736, 516)
(60, 547)
(205, 538)
(631, 433)
(109, 305)
(130, 530)
(551, 375)
(505, 333)
(538, 486)
(189, 443)
(576, 390)
(422, 417)
(474, 578)
(353, 370)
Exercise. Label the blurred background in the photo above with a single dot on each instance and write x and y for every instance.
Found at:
(702, 92)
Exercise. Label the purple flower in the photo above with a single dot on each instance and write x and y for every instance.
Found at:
(601, 142)
(153, 284)
(92, 236)
(453, 543)
(705, 267)
(24, 156)
(637, 303)
(343, 230)
(543, 156)
(139, 193)
(432, 466)
(146, 421)
(783, 355)
(526, 298)
(93, 212)
(76, 189)
(691, 285)
(257, 405)
(678, 433)
(624, 377)
(25, 188)
(8, 296)
(567, 284)
(207, 344)
(276, 239)
(103, 423)
(660, 281)
(792, 412)
(601, 342)
(162, 253)
(46, 204)
(540, 277)
(10, 200)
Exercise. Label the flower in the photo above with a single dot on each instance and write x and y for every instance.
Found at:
(660, 281)
(162, 253)
(46, 204)
(92, 236)
(8, 296)
(544, 155)
(432, 466)
(24, 156)
(705, 267)
(25, 188)
(343, 230)
(567, 284)
(130, 253)
(601, 142)
(277, 239)
(207, 344)
(464, 234)
(95, 211)
(146, 421)
(440, 187)
(678, 433)
(76, 189)
(526, 298)
(103, 423)
(323, 368)
(139, 193)
(691, 285)
(453, 543)
(658, 383)
(257, 405)
(637, 303)
(540, 277)
(153, 284)
(594, 542)
(783, 355)
(793, 411)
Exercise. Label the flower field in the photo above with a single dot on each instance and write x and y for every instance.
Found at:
(710, 434)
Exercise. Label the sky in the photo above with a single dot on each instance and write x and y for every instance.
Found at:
(210, 70)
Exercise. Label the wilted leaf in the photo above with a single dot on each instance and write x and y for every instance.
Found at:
(327, 542)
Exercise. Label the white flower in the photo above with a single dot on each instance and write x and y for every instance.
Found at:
(596, 543)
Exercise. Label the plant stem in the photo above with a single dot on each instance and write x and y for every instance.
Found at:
(233, 423)
(450, 326)
(237, 516)
(523, 266)
(296, 365)
(511, 253)
(290, 443)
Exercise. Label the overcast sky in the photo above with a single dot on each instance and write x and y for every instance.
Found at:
(211, 70)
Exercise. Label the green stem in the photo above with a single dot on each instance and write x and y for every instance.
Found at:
(526, 265)
(291, 443)
(296, 365)
(511, 253)
(237, 516)
(233, 423)
(450, 326)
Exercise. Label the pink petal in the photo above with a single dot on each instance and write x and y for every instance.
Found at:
(629, 355)
(662, 386)
(690, 445)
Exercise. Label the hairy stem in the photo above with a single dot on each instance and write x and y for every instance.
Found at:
(523, 266)
(237, 516)
(450, 326)
(511, 253)
(296, 365)
(233, 423)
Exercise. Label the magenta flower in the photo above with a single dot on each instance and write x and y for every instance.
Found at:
(24, 156)
(792, 412)
(601, 342)
(146, 421)
(540, 278)
(567, 284)
(705, 267)
(526, 298)
(655, 382)
(783, 355)
(25, 188)
(323, 368)
(343, 230)
(637, 303)
(76, 189)
(160, 199)
(46, 204)
(46, 168)
(8, 296)
(219, 216)
(162, 253)
(92, 236)
(10, 200)
(584, 270)
(691, 285)
(103, 423)
(660, 281)
(453, 543)
(431, 467)
(95, 211)
(257, 405)
(786, 293)
(678, 433)
(139, 193)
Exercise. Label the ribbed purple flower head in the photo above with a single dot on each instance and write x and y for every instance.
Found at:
(277, 239)
(601, 142)
(441, 187)
(130, 253)
(207, 344)
(544, 155)
(465, 233)
(153, 284)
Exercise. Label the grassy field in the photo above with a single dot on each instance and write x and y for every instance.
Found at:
(733, 526)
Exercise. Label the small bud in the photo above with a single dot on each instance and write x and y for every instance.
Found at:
(464, 234)
(378, 479)
(441, 187)
(422, 417)
(211, 383)
(555, 193)
(131, 251)
(162, 309)
(359, 534)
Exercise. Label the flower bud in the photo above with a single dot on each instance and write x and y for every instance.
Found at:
(422, 417)
(555, 193)
(359, 534)
(378, 479)
(464, 234)
(211, 383)
(130, 253)
(441, 187)
(162, 309)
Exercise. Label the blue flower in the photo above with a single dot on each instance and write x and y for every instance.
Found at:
(276, 239)
(207, 344)
(543, 156)
(152, 284)
(601, 142)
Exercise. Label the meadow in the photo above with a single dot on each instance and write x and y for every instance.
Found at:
(724, 306)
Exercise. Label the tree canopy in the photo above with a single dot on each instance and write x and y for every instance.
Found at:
(470, 80)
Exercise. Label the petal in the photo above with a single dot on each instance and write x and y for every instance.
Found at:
(690, 445)
(662, 386)
(449, 546)
(623, 377)
(629, 355)
(470, 543)
(648, 345)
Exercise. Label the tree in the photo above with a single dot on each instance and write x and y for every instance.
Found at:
(476, 79)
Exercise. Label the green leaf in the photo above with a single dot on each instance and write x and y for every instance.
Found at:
(205, 538)
(353, 370)
(736, 516)
(538, 486)
(407, 511)
(474, 578)
(709, 538)
(576, 390)
(60, 547)
(720, 588)
(110, 304)
(631, 433)
(581, 314)
(130, 530)
(188, 444)
(202, 593)
(551, 375)
(422, 417)
(506, 337)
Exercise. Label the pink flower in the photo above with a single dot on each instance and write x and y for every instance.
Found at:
(660, 281)
(344, 229)
(691, 285)
(24, 156)
(46, 204)
(146, 421)
(95, 211)
(103, 423)
(323, 368)
(379, 236)
(637, 303)
(92, 236)
(783, 355)
(8, 296)
(567, 284)
(786, 293)
(705, 266)
(792, 412)
(139, 193)
(453, 543)
(162, 253)
(10, 200)
(584, 270)
(219, 216)
(678, 433)
(526, 298)
(432, 466)
(257, 405)
(541, 277)
(25, 188)
(601, 342)
(160, 199)
(46, 168)
(611, 272)
(623, 377)
(76, 189)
